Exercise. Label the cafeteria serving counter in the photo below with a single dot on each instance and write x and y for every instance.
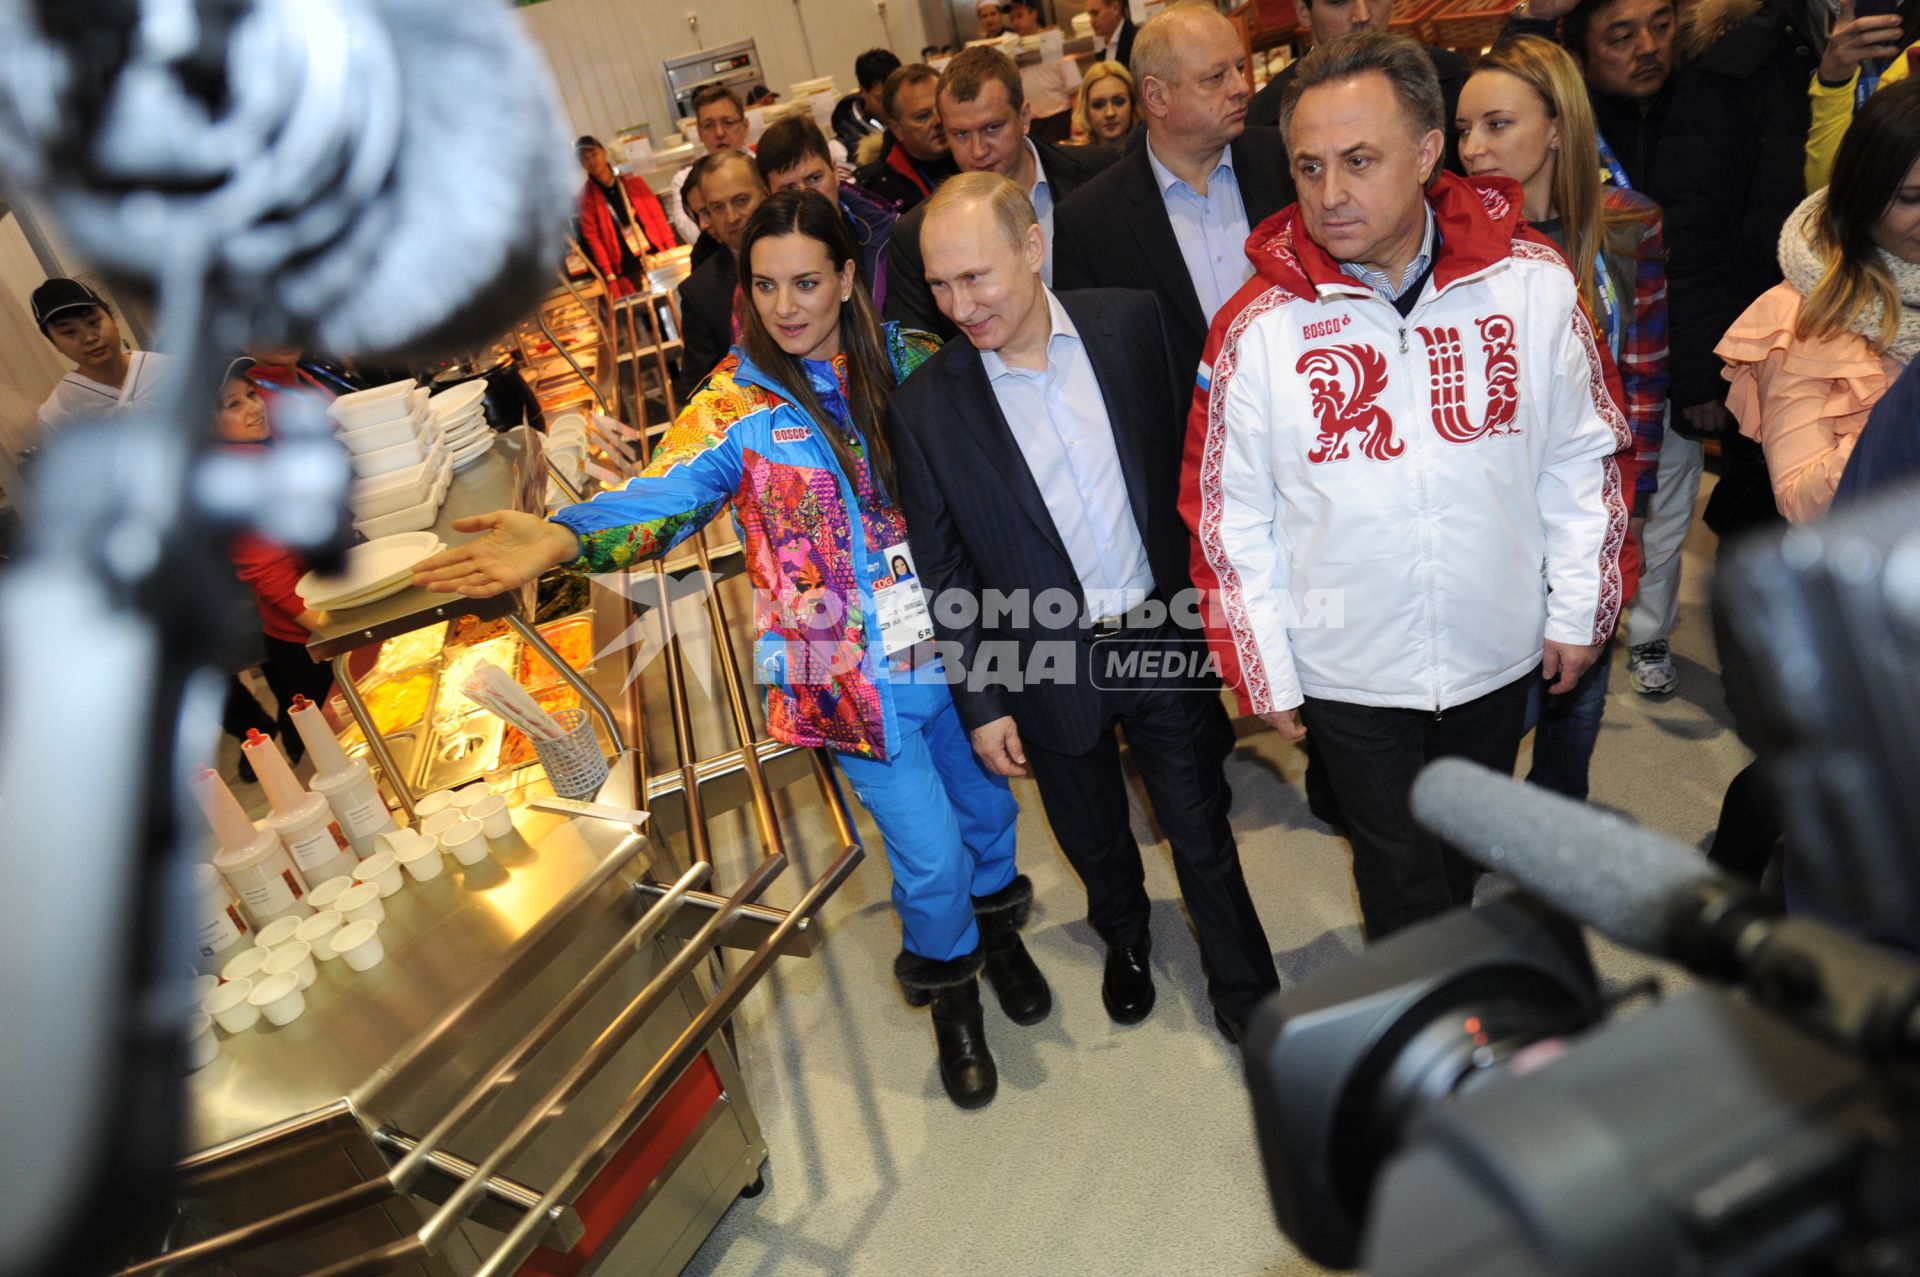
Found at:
(539, 1077)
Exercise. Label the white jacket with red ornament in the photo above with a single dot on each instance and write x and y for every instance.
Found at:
(1396, 512)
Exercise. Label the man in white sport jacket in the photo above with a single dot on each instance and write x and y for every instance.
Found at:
(1401, 468)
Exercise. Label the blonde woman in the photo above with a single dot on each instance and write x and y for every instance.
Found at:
(1811, 357)
(1524, 114)
(1103, 109)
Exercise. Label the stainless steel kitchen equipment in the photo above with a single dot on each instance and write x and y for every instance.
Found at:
(735, 66)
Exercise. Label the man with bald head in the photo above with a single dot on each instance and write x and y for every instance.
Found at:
(1172, 216)
(1037, 468)
(731, 186)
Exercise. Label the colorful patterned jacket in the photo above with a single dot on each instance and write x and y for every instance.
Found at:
(740, 440)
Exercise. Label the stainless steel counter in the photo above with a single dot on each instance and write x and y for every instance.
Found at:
(446, 942)
(535, 1074)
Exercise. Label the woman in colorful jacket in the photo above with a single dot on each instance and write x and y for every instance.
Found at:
(791, 429)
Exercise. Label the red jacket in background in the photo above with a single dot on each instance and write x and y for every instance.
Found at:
(271, 573)
(601, 230)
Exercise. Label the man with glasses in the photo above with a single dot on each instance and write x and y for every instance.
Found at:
(722, 123)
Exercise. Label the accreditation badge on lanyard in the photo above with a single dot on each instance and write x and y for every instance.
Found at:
(904, 620)
(636, 242)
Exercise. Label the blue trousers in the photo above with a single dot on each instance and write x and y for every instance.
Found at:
(947, 821)
(1565, 728)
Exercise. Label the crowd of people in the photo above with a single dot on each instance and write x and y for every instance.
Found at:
(1389, 383)
(1385, 389)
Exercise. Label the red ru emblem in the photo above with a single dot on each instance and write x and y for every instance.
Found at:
(1447, 373)
(1344, 381)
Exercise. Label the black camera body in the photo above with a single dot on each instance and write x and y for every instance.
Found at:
(1422, 1111)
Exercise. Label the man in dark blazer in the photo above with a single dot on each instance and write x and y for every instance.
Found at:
(1329, 19)
(733, 188)
(1037, 465)
(1173, 215)
(1113, 30)
(985, 116)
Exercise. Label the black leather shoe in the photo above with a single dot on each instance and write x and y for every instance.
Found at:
(1234, 1031)
(1127, 987)
(1016, 981)
(966, 1065)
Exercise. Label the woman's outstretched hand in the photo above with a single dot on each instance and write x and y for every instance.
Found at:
(518, 547)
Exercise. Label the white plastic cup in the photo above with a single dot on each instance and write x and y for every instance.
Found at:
(202, 1046)
(229, 1007)
(318, 932)
(438, 823)
(383, 871)
(327, 893)
(245, 965)
(439, 800)
(467, 795)
(358, 943)
(277, 932)
(422, 861)
(395, 841)
(358, 904)
(466, 842)
(295, 956)
(495, 820)
(279, 997)
(203, 985)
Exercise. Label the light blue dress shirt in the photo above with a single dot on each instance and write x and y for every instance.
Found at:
(1378, 281)
(1059, 420)
(1211, 229)
(1042, 197)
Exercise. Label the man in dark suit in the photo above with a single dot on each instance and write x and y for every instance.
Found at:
(985, 116)
(1037, 466)
(1113, 28)
(1328, 19)
(1173, 215)
(732, 187)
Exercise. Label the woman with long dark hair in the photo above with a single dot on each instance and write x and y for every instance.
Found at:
(1524, 114)
(791, 429)
(1811, 357)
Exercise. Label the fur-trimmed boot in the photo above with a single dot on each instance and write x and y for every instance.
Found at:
(1016, 981)
(966, 1065)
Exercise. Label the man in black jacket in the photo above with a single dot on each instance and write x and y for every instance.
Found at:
(861, 113)
(913, 157)
(1199, 168)
(733, 188)
(985, 117)
(1327, 19)
(1038, 463)
(1113, 29)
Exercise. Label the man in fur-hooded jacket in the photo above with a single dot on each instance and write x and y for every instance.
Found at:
(1404, 466)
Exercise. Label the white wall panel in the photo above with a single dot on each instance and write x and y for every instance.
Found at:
(606, 54)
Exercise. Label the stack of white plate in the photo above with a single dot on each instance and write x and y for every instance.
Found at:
(566, 449)
(375, 570)
(460, 413)
(401, 469)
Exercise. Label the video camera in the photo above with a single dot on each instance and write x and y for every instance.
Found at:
(1457, 1100)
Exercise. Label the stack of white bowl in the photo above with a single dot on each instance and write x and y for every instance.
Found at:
(459, 412)
(401, 467)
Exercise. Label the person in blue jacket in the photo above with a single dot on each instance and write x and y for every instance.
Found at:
(791, 429)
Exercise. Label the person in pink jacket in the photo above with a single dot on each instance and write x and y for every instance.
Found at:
(1810, 358)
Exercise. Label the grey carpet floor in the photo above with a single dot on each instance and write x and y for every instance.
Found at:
(1109, 1150)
